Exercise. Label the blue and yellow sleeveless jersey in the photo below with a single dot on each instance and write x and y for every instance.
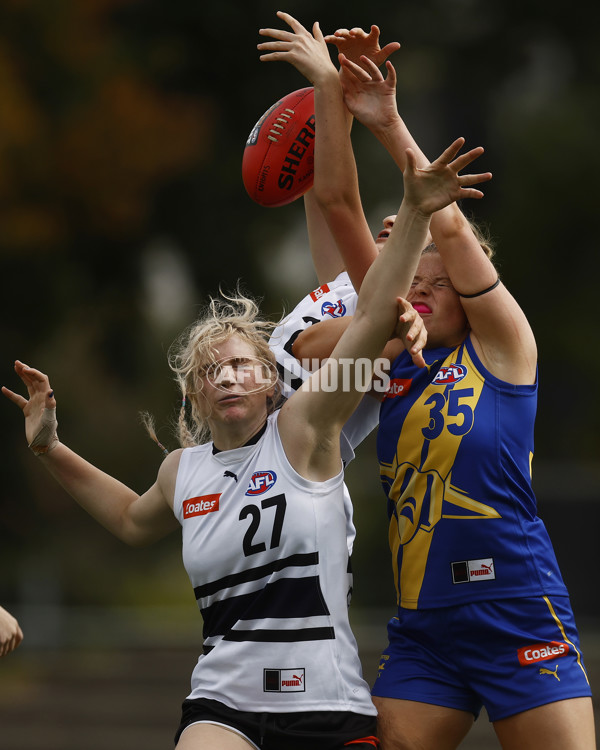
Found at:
(455, 446)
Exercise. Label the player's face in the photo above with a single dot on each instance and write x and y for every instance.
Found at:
(381, 238)
(435, 299)
(388, 223)
(236, 382)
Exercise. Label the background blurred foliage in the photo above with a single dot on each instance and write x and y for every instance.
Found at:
(122, 127)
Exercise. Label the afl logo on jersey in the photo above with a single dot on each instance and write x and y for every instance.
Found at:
(333, 309)
(450, 375)
(260, 482)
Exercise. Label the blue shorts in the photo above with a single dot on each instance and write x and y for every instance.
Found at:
(508, 655)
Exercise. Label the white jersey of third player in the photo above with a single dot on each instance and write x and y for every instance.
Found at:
(335, 299)
(265, 550)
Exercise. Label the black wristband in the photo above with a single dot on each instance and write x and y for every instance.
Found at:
(483, 291)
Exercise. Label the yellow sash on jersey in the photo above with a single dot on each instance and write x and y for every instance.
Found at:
(422, 487)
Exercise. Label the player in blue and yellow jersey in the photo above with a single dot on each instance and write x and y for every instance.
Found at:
(483, 617)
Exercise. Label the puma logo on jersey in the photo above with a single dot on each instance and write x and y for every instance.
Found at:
(200, 506)
(466, 571)
(450, 374)
(542, 652)
(283, 680)
(260, 482)
(554, 672)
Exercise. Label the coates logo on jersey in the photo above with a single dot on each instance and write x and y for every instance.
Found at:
(318, 293)
(200, 506)
(398, 387)
(450, 375)
(333, 309)
(542, 652)
(260, 482)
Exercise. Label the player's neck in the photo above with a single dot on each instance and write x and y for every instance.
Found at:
(235, 435)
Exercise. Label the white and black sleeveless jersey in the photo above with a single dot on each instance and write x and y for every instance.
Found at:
(266, 553)
(335, 299)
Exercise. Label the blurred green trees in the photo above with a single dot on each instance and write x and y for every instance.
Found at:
(122, 126)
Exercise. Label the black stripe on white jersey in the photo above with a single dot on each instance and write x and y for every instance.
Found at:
(255, 574)
(280, 636)
(283, 599)
(297, 602)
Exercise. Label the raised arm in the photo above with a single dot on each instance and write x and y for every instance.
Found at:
(501, 333)
(329, 259)
(313, 416)
(326, 257)
(318, 341)
(335, 187)
(135, 519)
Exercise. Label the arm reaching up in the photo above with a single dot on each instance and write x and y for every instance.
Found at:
(494, 321)
(335, 189)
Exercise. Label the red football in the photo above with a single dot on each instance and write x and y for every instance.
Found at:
(278, 163)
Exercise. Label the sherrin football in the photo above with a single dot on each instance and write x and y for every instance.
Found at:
(278, 162)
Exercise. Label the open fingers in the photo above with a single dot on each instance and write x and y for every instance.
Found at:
(415, 326)
(35, 380)
(412, 330)
(367, 71)
(23, 372)
(390, 48)
(474, 179)
(409, 319)
(355, 70)
(337, 35)
(371, 68)
(465, 159)
(280, 35)
(418, 358)
(17, 399)
(450, 159)
(391, 74)
(283, 35)
(417, 337)
(449, 153)
(36, 383)
(317, 33)
(292, 22)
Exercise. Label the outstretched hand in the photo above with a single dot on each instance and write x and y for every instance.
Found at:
(368, 95)
(411, 330)
(439, 184)
(355, 43)
(39, 410)
(307, 52)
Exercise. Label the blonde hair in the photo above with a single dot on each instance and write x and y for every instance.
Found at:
(481, 234)
(193, 351)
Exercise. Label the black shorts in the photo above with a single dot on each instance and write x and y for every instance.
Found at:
(317, 730)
